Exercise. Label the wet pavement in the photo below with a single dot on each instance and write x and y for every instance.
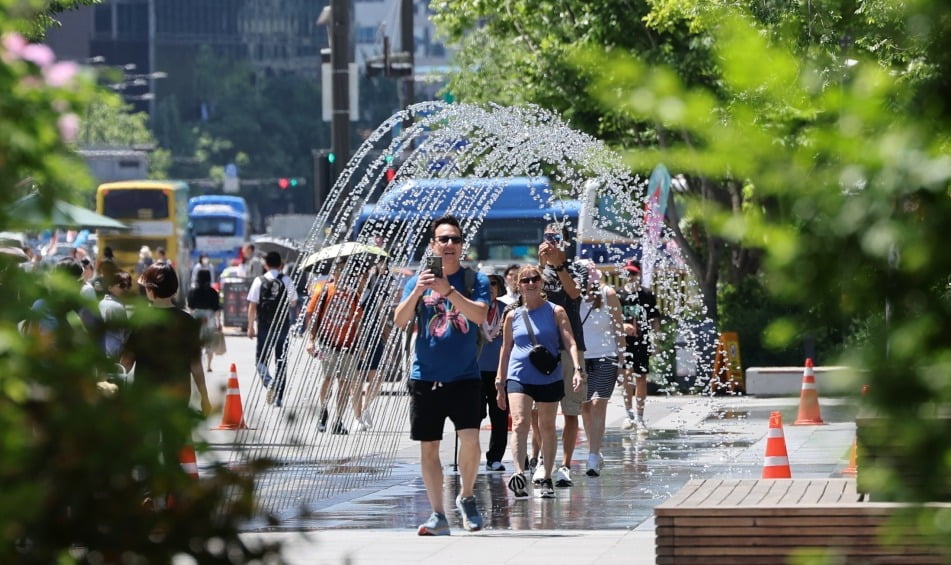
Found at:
(690, 438)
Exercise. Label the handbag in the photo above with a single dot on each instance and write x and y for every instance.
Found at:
(539, 356)
(218, 346)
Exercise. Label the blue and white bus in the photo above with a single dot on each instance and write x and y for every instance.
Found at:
(219, 226)
(514, 212)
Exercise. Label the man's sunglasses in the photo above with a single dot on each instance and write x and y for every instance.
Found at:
(530, 280)
(448, 238)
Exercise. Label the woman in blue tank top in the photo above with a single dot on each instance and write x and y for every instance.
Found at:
(520, 384)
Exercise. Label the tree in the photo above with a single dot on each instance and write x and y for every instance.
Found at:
(847, 152)
(522, 52)
(76, 464)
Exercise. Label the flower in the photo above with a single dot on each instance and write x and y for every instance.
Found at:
(68, 127)
(38, 54)
(13, 44)
(60, 74)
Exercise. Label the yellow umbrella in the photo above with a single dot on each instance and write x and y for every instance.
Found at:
(342, 250)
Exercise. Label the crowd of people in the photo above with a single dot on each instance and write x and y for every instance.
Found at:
(515, 348)
(519, 346)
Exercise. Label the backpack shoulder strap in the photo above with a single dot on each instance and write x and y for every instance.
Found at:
(468, 281)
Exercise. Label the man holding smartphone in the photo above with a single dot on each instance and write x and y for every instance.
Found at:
(445, 381)
(563, 280)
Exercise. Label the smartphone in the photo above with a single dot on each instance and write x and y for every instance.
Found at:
(434, 264)
(553, 238)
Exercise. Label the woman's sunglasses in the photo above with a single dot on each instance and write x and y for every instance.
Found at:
(530, 280)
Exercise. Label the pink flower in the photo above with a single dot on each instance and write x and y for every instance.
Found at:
(37, 53)
(68, 127)
(13, 44)
(60, 74)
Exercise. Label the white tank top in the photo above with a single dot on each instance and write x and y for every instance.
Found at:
(599, 331)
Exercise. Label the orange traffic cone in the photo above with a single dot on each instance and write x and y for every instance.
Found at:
(233, 416)
(853, 468)
(808, 399)
(188, 461)
(776, 462)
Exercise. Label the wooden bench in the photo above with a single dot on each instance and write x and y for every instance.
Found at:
(766, 521)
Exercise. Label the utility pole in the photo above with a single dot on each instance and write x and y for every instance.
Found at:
(340, 63)
(408, 45)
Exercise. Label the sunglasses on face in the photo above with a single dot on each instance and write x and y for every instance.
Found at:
(444, 239)
(530, 280)
(494, 283)
(553, 237)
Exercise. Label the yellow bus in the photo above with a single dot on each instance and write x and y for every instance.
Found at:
(156, 212)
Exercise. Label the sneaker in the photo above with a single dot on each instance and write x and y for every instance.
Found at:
(563, 477)
(437, 525)
(263, 373)
(471, 519)
(627, 424)
(545, 490)
(595, 464)
(495, 467)
(517, 484)
(324, 416)
(539, 474)
(339, 430)
(270, 395)
(362, 426)
(641, 425)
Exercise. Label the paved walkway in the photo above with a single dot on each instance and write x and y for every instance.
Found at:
(600, 520)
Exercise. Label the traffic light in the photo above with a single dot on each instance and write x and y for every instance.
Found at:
(323, 175)
(390, 169)
(283, 183)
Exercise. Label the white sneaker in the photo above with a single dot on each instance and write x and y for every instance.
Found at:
(539, 474)
(362, 426)
(595, 464)
(641, 425)
(562, 477)
(627, 424)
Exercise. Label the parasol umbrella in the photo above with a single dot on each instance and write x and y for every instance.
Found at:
(28, 212)
(340, 250)
(288, 248)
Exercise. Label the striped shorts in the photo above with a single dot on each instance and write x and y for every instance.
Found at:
(602, 376)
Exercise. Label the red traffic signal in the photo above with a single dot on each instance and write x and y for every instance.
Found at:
(390, 174)
(283, 183)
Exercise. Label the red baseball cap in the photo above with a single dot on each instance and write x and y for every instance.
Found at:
(631, 266)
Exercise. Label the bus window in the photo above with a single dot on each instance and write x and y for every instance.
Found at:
(135, 204)
(214, 226)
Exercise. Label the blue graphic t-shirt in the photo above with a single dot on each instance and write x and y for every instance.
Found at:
(446, 340)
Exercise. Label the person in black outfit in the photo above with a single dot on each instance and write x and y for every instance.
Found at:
(204, 302)
(641, 316)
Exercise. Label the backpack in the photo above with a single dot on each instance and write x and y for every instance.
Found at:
(271, 298)
(337, 318)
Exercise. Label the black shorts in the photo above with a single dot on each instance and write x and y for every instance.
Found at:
(637, 356)
(372, 363)
(431, 403)
(552, 392)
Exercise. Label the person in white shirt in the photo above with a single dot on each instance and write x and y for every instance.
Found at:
(271, 298)
(604, 337)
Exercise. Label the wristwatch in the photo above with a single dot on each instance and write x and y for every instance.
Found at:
(559, 268)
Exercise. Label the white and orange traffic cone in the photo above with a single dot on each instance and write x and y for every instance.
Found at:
(189, 461)
(233, 416)
(776, 462)
(808, 399)
(853, 467)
